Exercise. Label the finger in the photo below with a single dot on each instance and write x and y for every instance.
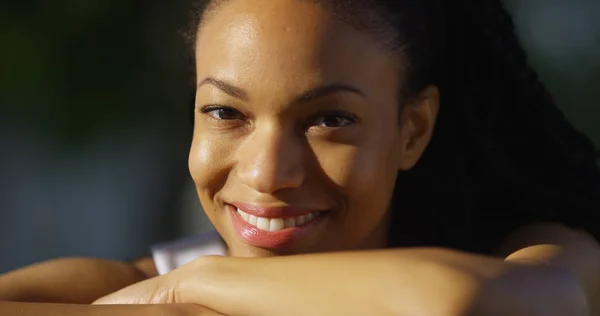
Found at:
(152, 291)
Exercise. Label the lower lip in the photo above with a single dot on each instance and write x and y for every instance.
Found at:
(270, 240)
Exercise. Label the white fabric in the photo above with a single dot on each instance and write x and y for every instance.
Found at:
(172, 255)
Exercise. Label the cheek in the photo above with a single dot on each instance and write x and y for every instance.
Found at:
(208, 163)
(365, 173)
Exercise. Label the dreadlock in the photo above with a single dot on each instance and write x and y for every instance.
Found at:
(502, 155)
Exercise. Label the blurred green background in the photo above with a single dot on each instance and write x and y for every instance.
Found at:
(94, 127)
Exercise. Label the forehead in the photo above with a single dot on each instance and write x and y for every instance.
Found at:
(291, 27)
(271, 14)
(244, 40)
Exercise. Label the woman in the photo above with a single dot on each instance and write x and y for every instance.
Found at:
(314, 137)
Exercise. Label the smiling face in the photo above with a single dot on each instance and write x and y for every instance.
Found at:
(297, 141)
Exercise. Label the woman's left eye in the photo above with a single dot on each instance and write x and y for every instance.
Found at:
(223, 113)
(334, 119)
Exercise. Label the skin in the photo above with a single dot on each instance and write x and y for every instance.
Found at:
(267, 157)
(28, 309)
(52, 281)
(409, 281)
(274, 150)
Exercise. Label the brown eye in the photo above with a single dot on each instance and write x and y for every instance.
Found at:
(223, 113)
(334, 119)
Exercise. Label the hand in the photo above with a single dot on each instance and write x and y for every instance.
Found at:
(168, 288)
(157, 290)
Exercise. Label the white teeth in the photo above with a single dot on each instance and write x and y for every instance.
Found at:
(252, 220)
(300, 220)
(263, 223)
(290, 222)
(309, 217)
(244, 215)
(277, 224)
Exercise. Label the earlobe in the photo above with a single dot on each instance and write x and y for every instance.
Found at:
(417, 122)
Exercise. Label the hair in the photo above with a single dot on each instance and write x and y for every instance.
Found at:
(502, 154)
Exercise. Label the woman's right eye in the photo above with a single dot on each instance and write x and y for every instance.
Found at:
(222, 113)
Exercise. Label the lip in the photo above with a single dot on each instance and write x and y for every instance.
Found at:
(271, 240)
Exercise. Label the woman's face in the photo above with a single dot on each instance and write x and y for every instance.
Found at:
(297, 141)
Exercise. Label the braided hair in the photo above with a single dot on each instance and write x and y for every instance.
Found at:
(502, 154)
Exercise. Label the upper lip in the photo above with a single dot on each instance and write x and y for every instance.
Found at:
(275, 211)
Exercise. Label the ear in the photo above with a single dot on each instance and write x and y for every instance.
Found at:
(417, 121)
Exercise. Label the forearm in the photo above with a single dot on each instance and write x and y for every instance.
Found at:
(390, 282)
(36, 309)
(72, 280)
(424, 281)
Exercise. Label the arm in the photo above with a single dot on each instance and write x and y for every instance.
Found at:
(36, 309)
(72, 280)
(394, 282)
(555, 245)
(408, 281)
(561, 266)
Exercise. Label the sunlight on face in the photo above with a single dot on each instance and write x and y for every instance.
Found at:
(297, 126)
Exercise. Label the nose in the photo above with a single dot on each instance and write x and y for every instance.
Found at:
(271, 160)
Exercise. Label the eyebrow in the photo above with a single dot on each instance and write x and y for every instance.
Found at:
(327, 90)
(225, 87)
(309, 95)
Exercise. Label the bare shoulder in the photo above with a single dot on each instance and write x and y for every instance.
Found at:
(575, 250)
(545, 233)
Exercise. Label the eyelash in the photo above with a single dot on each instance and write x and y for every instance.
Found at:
(349, 117)
(212, 108)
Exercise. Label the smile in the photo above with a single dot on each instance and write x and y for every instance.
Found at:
(277, 224)
(274, 227)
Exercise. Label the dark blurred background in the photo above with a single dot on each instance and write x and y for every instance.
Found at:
(94, 127)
